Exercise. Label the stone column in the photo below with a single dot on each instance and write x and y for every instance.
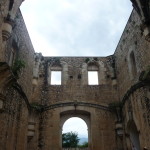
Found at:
(113, 76)
(84, 74)
(38, 57)
(49, 75)
(2, 99)
(64, 77)
(101, 73)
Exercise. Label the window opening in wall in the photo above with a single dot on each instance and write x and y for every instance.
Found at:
(133, 64)
(73, 129)
(71, 77)
(92, 78)
(79, 76)
(56, 78)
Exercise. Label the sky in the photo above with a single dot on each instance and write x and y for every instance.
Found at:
(55, 77)
(76, 124)
(75, 27)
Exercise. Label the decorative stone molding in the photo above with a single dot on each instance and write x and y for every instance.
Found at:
(6, 30)
(119, 129)
(103, 107)
(31, 126)
(31, 129)
(9, 20)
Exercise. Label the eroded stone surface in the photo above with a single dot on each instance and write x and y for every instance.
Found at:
(40, 128)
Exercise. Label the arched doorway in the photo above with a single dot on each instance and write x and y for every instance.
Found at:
(134, 135)
(83, 116)
(78, 127)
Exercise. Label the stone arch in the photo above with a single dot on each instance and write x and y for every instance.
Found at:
(98, 123)
(84, 115)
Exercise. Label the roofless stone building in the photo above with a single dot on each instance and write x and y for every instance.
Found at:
(33, 110)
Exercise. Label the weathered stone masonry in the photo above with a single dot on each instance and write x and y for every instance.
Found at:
(32, 110)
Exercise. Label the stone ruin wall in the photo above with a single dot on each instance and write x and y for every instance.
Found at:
(14, 113)
(74, 88)
(75, 82)
(102, 128)
(137, 103)
(3, 8)
(131, 40)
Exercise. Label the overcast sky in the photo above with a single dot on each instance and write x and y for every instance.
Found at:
(76, 28)
(76, 124)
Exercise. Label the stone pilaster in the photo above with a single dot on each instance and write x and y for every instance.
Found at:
(2, 99)
(64, 73)
(84, 74)
(102, 73)
(38, 57)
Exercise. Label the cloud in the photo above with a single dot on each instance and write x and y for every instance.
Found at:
(76, 28)
(76, 124)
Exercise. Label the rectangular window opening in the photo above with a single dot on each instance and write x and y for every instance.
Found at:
(55, 77)
(93, 78)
